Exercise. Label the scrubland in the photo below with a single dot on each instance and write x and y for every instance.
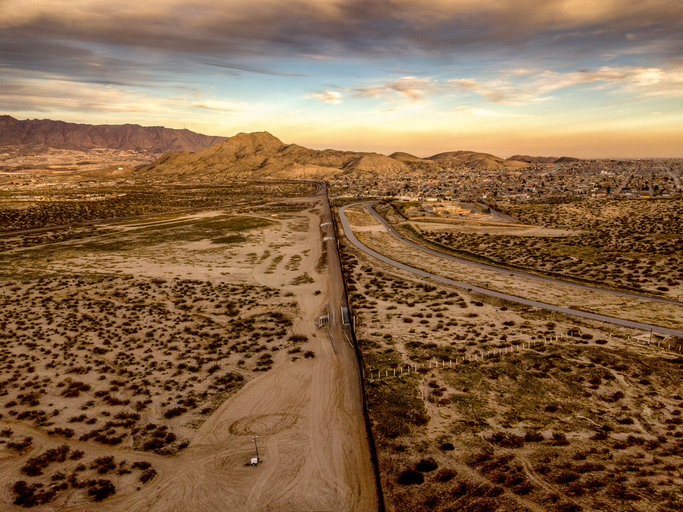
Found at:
(128, 348)
(570, 415)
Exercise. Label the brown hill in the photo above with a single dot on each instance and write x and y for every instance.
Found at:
(261, 155)
(534, 159)
(417, 164)
(474, 160)
(471, 159)
(377, 164)
(40, 134)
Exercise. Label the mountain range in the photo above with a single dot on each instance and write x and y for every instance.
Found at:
(262, 155)
(195, 157)
(41, 134)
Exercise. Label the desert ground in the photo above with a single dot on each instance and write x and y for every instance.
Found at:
(483, 405)
(629, 244)
(375, 236)
(141, 357)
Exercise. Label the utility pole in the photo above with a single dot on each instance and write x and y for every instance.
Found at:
(256, 446)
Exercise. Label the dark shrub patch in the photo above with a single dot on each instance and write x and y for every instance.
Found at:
(506, 440)
(533, 437)
(410, 477)
(31, 495)
(101, 489)
(445, 475)
(147, 475)
(426, 465)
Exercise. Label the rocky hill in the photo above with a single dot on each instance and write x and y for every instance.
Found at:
(40, 134)
(261, 155)
(534, 159)
(416, 163)
(474, 160)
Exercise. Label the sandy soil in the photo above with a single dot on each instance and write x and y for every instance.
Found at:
(583, 423)
(668, 315)
(306, 411)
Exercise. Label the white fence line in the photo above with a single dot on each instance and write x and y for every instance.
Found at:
(526, 345)
(432, 365)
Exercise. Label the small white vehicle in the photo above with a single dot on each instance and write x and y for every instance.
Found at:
(254, 461)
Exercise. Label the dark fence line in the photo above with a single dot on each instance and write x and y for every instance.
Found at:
(368, 429)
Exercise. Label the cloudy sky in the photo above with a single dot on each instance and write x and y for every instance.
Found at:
(548, 77)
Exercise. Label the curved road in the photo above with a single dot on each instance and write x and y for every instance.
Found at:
(485, 291)
(518, 273)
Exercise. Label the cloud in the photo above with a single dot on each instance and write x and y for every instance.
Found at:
(326, 96)
(252, 69)
(59, 93)
(476, 111)
(324, 28)
(638, 81)
(48, 93)
(411, 88)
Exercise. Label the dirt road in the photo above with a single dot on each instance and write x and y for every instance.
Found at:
(306, 411)
(308, 419)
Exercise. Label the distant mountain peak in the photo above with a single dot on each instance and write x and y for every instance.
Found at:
(46, 133)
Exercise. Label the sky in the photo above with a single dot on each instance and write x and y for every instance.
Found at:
(584, 78)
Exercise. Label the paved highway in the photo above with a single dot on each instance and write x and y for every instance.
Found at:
(485, 291)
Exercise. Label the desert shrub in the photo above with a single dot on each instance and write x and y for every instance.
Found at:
(101, 489)
(589, 467)
(142, 465)
(153, 444)
(560, 439)
(410, 477)
(35, 465)
(600, 435)
(58, 431)
(566, 476)
(505, 440)
(103, 465)
(31, 495)
(73, 389)
(20, 446)
(447, 447)
(484, 455)
(620, 491)
(147, 475)
(426, 465)
(533, 437)
(565, 506)
(395, 408)
(445, 475)
(175, 411)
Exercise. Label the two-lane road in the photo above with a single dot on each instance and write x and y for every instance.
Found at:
(485, 291)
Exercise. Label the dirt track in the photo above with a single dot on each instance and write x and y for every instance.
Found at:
(307, 415)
